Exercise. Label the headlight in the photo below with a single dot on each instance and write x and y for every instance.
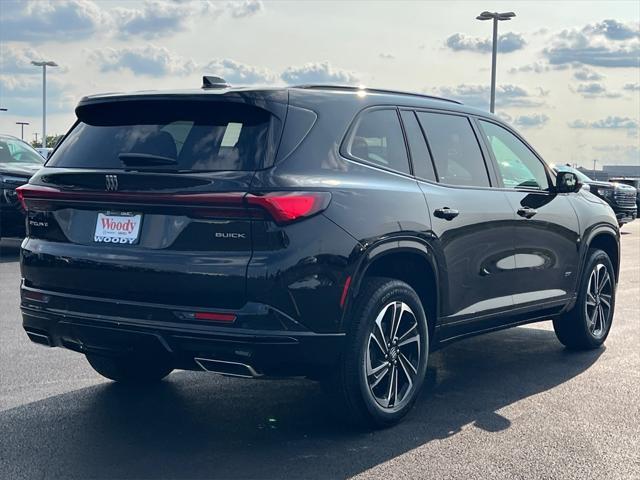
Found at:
(606, 193)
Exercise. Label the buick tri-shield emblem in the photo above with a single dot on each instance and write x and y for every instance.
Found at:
(111, 183)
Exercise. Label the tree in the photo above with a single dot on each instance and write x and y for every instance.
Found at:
(52, 141)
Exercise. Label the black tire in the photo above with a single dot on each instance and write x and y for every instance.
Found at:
(130, 369)
(358, 392)
(587, 324)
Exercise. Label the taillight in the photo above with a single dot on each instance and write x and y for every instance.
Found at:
(287, 207)
(283, 207)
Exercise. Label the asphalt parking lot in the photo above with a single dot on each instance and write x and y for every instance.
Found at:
(512, 404)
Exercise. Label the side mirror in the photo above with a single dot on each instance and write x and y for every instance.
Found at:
(567, 182)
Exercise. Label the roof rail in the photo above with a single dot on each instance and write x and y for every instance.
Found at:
(351, 88)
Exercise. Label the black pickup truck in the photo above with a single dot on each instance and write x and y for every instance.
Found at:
(18, 162)
(621, 197)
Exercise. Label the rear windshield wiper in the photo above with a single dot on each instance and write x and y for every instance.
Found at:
(144, 159)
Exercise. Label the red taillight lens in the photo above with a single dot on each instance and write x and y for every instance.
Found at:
(216, 317)
(283, 207)
(287, 207)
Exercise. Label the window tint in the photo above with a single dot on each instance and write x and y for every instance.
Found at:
(517, 165)
(378, 139)
(457, 155)
(422, 165)
(14, 151)
(199, 136)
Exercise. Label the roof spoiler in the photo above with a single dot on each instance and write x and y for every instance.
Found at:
(210, 81)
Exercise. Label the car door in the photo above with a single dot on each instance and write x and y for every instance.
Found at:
(471, 221)
(546, 228)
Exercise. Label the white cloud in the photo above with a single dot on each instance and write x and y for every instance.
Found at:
(593, 90)
(479, 95)
(318, 72)
(608, 123)
(596, 45)
(61, 20)
(507, 43)
(16, 59)
(587, 75)
(148, 60)
(237, 73)
(23, 95)
(246, 8)
(535, 120)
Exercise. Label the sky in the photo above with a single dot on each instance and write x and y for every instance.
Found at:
(568, 75)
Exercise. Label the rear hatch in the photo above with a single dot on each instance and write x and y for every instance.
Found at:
(144, 198)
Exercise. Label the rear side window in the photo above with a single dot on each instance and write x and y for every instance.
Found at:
(178, 135)
(422, 165)
(456, 153)
(377, 138)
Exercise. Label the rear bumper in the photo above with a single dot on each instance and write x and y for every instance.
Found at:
(190, 345)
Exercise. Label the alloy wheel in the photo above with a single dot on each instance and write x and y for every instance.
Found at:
(598, 300)
(393, 356)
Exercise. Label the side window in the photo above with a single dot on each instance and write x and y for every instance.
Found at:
(456, 153)
(422, 165)
(378, 139)
(517, 165)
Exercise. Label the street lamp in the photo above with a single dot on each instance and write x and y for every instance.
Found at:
(22, 124)
(44, 66)
(496, 17)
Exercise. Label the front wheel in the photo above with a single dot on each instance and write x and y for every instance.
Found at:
(385, 359)
(130, 369)
(588, 323)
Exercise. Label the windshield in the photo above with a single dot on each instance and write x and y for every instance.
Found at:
(16, 152)
(581, 176)
(182, 135)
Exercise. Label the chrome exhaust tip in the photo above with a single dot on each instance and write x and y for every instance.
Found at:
(230, 369)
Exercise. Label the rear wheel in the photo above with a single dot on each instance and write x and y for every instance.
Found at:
(588, 324)
(385, 358)
(130, 369)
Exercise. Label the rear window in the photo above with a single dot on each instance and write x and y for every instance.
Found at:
(173, 135)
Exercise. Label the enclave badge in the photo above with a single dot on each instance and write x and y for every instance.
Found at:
(111, 183)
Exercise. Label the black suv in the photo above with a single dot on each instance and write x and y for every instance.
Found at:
(331, 232)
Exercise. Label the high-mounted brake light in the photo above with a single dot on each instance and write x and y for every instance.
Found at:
(287, 207)
(216, 317)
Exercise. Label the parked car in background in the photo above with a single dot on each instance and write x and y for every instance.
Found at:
(634, 182)
(45, 152)
(621, 198)
(18, 162)
(336, 233)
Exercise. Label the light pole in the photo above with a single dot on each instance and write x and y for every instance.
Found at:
(22, 124)
(44, 66)
(496, 17)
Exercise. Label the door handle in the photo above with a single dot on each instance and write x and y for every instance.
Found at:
(527, 212)
(446, 213)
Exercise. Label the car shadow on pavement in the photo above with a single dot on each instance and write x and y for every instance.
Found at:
(196, 425)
